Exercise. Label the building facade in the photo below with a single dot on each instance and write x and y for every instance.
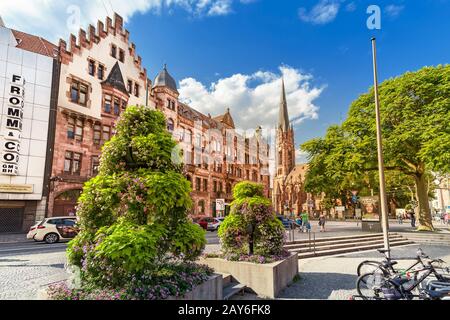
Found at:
(28, 74)
(215, 155)
(101, 74)
(289, 196)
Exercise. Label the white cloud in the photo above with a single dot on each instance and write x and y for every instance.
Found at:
(322, 13)
(54, 19)
(254, 99)
(393, 10)
(301, 156)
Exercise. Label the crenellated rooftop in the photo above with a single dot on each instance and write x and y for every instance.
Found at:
(94, 35)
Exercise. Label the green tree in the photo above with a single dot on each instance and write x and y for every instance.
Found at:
(252, 227)
(415, 113)
(133, 215)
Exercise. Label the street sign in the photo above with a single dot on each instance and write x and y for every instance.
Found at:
(220, 204)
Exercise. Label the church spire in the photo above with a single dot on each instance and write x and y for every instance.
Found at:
(283, 118)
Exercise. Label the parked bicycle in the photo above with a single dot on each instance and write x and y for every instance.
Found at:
(426, 279)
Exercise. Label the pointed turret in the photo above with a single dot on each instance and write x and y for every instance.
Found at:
(283, 119)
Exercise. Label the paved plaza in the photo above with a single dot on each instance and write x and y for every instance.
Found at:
(27, 266)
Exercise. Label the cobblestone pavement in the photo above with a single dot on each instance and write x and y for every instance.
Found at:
(22, 276)
(13, 238)
(334, 278)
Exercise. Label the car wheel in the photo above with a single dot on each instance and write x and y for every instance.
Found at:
(51, 238)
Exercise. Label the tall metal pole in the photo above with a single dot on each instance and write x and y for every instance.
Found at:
(383, 198)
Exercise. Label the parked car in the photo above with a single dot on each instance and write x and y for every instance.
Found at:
(53, 230)
(214, 224)
(201, 222)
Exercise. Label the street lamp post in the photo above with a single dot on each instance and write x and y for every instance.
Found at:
(383, 198)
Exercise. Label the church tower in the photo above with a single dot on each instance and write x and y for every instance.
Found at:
(285, 153)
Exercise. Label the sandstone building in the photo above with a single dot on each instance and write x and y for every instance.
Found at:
(101, 74)
(216, 156)
(289, 196)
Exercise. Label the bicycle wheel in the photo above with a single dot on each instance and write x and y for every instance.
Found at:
(369, 266)
(369, 285)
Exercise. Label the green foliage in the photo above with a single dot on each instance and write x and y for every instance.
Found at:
(248, 189)
(270, 238)
(415, 113)
(137, 245)
(233, 235)
(189, 241)
(251, 226)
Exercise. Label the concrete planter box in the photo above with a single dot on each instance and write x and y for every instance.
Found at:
(266, 280)
(209, 290)
(212, 289)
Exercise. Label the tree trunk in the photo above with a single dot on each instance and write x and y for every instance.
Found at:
(424, 214)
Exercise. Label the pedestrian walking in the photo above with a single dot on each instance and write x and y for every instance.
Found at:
(299, 222)
(400, 218)
(322, 222)
(305, 221)
(446, 217)
(413, 219)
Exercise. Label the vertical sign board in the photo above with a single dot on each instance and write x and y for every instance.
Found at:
(25, 93)
(13, 126)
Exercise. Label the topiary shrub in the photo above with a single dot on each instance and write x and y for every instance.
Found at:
(133, 215)
(252, 227)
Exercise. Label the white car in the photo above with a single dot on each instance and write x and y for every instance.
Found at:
(214, 224)
(54, 229)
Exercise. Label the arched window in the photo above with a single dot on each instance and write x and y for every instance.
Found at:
(198, 140)
(201, 207)
(188, 136)
(170, 125)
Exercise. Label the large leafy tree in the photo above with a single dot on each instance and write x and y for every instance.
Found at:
(415, 115)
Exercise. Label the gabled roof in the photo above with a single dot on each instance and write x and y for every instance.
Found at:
(115, 79)
(226, 119)
(35, 44)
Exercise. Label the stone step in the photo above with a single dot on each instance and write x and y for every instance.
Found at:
(352, 249)
(336, 242)
(227, 279)
(331, 246)
(232, 289)
(353, 237)
(430, 242)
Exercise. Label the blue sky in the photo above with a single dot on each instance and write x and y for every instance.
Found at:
(229, 53)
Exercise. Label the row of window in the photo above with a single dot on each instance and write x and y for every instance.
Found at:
(185, 135)
(75, 131)
(113, 104)
(133, 88)
(96, 69)
(121, 52)
(72, 163)
(171, 104)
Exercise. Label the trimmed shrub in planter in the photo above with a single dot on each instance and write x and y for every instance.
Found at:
(252, 228)
(133, 216)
